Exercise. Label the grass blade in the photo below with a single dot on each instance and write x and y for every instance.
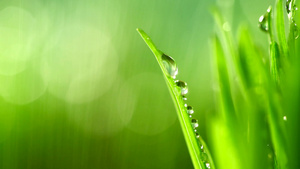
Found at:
(196, 146)
(280, 29)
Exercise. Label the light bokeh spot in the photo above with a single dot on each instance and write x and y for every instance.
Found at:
(79, 63)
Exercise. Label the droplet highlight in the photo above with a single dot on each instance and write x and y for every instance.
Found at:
(189, 110)
(207, 165)
(263, 21)
(183, 87)
(284, 118)
(169, 65)
(195, 123)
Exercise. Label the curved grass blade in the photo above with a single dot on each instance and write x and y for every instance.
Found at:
(196, 146)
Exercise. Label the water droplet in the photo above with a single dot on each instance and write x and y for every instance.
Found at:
(288, 6)
(190, 116)
(184, 98)
(169, 65)
(197, 135)
(284, 118)
(202, 147)
(270, 155)
(264, 21)
(189, 110)
(183, 86)
(204, 156)
(296, 31)
(194, 123)
(207, 165)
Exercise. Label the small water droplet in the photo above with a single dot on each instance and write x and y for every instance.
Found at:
(284, 118)
(194, 123)
(204, 156)
(169, 65)
(296, 31)
(197, 135)
(183, 86)
(189, 110)
(184, 98)
(202, 147)
(207, 165)
(190, 116)
(263, 21)
(270, 155)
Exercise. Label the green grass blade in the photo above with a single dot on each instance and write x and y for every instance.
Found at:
(194, 145)
(225, 92)
(274, 61)
(280, 29)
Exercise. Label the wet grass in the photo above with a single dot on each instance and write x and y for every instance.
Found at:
(258, 95)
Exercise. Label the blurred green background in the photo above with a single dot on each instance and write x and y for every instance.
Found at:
(80, 89)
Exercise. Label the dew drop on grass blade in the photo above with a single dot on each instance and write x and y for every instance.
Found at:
(178, 89)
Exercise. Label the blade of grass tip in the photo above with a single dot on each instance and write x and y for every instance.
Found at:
(280, 29)
(250, 61)
(232, 59)
(194, 144)
(226, 97)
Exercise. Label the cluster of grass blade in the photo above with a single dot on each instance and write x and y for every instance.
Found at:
(258, 94)
(256, 117)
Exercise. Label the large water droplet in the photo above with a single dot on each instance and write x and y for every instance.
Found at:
(288, 6)
(169, 65)
(189, 110)
(183, 86)
(264, 21)
(194, 123)
(207, 165)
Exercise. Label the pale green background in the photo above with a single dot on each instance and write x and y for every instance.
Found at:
(80, 89)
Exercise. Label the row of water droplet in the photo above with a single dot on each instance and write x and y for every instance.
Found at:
(264, 20)
(170, 67)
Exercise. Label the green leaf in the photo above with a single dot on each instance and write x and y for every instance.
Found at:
(197, 147)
